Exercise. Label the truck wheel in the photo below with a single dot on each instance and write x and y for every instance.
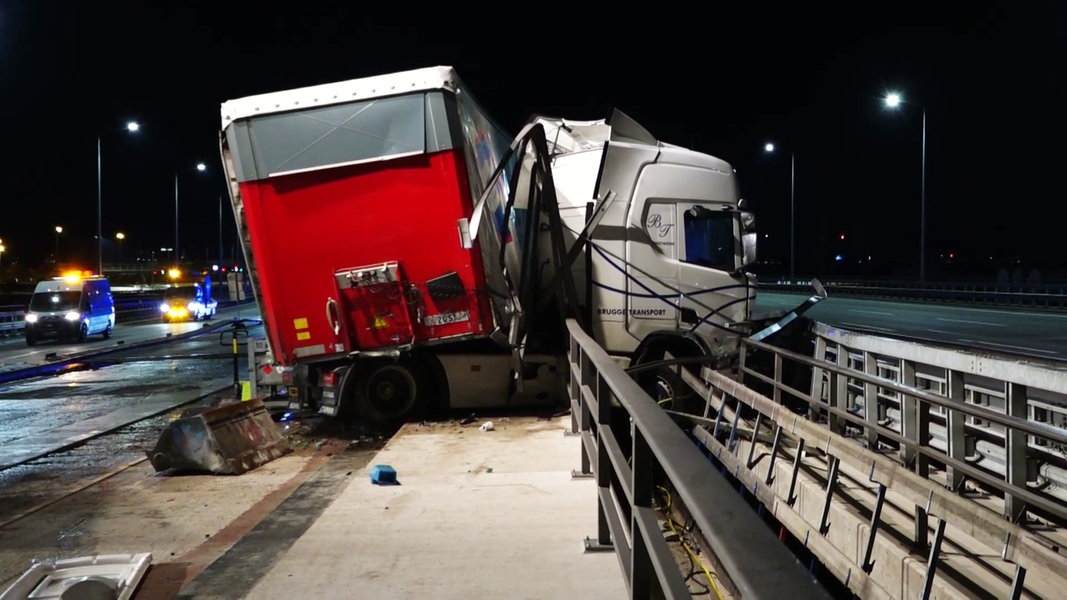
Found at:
(390, 392)
(83, 333)
(107, 332)
(667, 387)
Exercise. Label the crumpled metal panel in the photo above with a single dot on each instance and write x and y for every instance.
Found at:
(227, 440)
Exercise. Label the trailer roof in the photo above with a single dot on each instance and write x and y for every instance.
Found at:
(429, 78)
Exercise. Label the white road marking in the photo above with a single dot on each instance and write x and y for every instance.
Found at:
(872, 312)
(971, 322)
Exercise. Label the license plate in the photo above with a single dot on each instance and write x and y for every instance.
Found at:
(446, 318)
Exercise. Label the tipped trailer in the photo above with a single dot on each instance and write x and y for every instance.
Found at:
(407, 253)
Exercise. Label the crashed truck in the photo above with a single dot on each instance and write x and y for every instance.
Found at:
(407, 254)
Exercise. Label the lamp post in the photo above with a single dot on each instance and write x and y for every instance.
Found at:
(769, 148)
(893, 100)
(132, 127)
(220, 231)
(120, 237)
(2, 248)
(201, 167)
(59, 230)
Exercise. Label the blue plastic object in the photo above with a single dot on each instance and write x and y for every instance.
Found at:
(383, 475)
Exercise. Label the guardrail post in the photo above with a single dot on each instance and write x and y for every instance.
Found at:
(838, 390)
(831, 485)
(871, 403)
(603, 461)
(818, 391)
(643, 488)
(931, 562)
(753, 440)
(876, 519)
(908, 413)
(955, 432)
(1015, 442)
(791, 496)
(774, 454)
(1017, 583)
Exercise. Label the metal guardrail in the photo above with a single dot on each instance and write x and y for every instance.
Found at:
(127, 308)
(11, 320)
(841, 420)
(632, 447)
(1046, 297)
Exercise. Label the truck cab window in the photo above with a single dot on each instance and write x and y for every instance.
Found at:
(709, 238)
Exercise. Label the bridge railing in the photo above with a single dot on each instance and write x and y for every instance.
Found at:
(130, 305)
(1042, 296)
(866, 422)
(639, 456)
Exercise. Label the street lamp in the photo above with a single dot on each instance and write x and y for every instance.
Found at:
(132, 127)
(120, 236)
(201, 167)
(769, 148)
(2, 248)
(59, 230)
(893, 100)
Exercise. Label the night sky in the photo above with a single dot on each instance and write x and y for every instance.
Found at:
(718, 78)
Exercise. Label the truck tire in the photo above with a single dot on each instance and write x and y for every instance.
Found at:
(390, 392)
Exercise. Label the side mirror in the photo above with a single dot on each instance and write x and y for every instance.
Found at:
(748, 249)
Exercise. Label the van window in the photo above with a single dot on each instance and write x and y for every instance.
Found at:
(55, 301)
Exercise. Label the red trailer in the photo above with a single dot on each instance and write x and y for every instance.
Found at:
(354, 202)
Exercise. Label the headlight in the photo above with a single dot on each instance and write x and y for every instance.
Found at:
(31, 317)
(164, 307)
(73, 316)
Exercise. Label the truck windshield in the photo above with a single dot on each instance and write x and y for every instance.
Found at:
(709, 238)
(55, 301)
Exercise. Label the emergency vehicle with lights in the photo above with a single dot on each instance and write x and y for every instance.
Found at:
(70, 307)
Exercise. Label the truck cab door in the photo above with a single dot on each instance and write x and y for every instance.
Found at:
(684, 270)
(653, 282)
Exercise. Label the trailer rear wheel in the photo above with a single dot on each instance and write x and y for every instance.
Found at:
(391, 392)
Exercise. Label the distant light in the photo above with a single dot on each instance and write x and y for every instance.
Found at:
(841, 236)
(120, 236)
(59, 229)
(768, 147)
(174, 273)
(893, 100)
(839, 258)
(201, 167)
(133, 126)
(214, 267)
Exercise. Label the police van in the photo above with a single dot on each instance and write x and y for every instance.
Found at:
(70, 308)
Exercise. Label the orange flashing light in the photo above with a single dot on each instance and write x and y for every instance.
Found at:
(74, 275)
